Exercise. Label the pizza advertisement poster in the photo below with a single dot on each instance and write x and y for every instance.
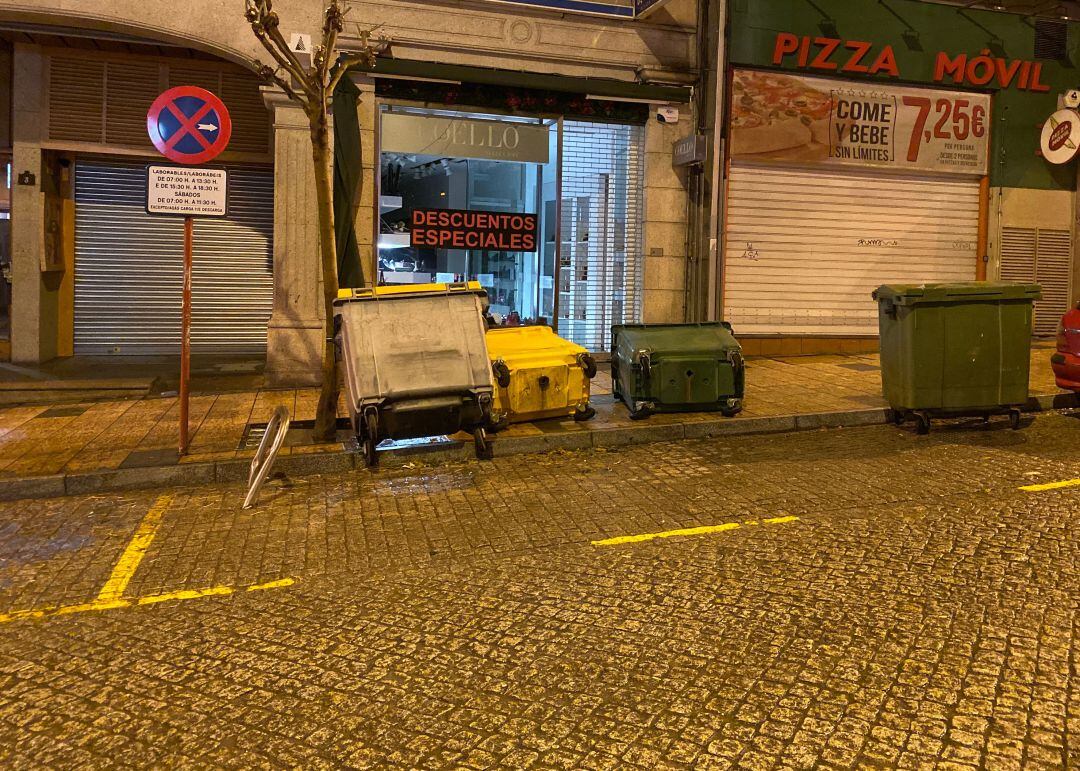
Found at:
(781, 118)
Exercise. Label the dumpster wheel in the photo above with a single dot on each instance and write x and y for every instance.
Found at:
(371, 439)
(588, 364)
(585, 413)
(484, 448)
(641, 410)
(922, 423)
(1014, 419)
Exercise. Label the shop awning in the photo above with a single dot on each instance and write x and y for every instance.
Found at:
(607, 88)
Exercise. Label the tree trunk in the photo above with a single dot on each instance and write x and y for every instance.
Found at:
(326, 414)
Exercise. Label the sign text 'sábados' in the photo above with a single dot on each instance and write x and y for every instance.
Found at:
(861, 57)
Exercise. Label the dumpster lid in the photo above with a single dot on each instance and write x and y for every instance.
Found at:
(390, 291)
(676, 339)
(959, 291)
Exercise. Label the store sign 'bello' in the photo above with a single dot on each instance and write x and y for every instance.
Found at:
(464, 138)
(861, 57)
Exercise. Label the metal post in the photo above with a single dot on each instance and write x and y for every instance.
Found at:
(185, 335)
(557, 272)
(713, 305)
(981, 237)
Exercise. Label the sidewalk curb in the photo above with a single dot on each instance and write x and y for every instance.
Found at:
(332, 461)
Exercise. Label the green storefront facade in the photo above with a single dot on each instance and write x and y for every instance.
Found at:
(918, 157)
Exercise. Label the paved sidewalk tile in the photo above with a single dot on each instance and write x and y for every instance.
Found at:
(109, 435)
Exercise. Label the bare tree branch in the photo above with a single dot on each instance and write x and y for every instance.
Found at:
(264, 23)
(365, 57)
(272, 28)
(271, 77)
(298, 75)
(333, 24)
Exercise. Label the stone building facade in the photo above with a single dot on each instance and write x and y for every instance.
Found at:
(561, 68)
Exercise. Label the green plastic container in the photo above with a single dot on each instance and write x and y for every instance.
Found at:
(955, 349)
(677, 368)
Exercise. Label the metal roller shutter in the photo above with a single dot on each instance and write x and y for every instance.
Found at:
(805, 249)
(129, 272)
(600, 281)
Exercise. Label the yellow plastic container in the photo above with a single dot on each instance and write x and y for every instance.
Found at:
(538, 375)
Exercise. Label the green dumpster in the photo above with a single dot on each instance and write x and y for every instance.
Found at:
(953, 350)
(677, 368)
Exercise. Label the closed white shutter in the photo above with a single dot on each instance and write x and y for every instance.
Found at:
(129, 266)
(1042, 256)
(805, 249)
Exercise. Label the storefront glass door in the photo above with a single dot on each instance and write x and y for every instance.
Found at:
(448, 183)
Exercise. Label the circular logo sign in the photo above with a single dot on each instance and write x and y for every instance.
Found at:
(1061, 136)
(189, 125)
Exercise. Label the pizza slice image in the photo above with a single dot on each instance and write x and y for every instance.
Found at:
(772, 112)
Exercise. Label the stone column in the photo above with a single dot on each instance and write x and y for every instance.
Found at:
(34, 293)
(294, 337)
(665, 222)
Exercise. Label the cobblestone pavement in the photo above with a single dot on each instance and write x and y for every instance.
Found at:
(84, 437)
(921, 610)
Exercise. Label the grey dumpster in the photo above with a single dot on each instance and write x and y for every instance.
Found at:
(415, 362)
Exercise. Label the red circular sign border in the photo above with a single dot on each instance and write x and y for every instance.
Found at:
(166, 99)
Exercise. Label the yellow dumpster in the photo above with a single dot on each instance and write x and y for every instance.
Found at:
(538, 375)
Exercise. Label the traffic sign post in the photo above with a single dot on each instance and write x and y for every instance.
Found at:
(188, 125)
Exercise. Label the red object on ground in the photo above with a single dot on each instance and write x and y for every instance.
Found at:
(1066, 362)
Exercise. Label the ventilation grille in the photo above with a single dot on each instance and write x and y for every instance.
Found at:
(1041, 256)
(1018, 254)
(104, 100)
(76, 100)
(130, 88)
(1051, 39)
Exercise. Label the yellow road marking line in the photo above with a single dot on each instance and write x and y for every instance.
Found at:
(182, 594)
(1050, 486)
(15, 615)
(85, 606)
(780, 520)
(185, 594)
(136, 549)
(703, 530)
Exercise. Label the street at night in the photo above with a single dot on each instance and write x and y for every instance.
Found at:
(860, 597)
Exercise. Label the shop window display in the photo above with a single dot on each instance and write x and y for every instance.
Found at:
(519, 282)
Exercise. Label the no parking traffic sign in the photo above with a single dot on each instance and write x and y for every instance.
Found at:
(189, 125)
